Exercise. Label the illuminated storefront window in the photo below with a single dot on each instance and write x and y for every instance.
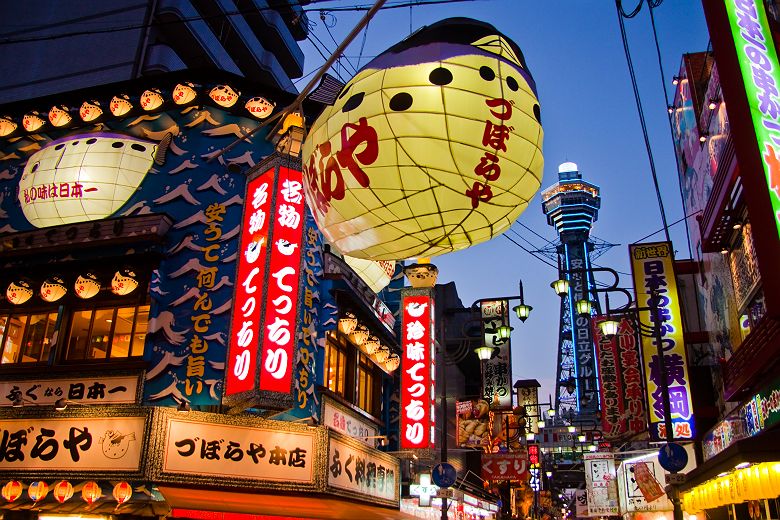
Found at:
(352, 374)
(366, 383)
(117, 332)
(27, 338)
(335, 365)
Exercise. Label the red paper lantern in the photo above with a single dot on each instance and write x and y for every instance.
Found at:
(12, 490)
(122, 492)
(38, 490)
(62, 491)
(91, 492)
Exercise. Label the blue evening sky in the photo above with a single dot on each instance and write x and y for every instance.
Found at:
(574, 51)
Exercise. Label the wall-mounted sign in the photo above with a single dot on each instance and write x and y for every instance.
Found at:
(505, 466)
(653, 269)
(72, 444)
(417, 376)
(342, 420)
(497, 371)
(758, 63)
(249, 453)
(89, 390)
(363, 471)
(600, 481)
(640, 486)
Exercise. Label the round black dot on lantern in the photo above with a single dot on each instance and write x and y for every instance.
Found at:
(353, 102)
(400, 102)
(512, 84)
(440, 76)
(487, 73)
(344, 91)
(538, 113)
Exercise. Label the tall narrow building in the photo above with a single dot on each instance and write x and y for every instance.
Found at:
(571, 206)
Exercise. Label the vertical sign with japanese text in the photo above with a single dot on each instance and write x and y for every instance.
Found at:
(758, 63)
(417, 377)
(281, 308)
(652, 265)
(601, 484)
(497, 371)
(243, 349)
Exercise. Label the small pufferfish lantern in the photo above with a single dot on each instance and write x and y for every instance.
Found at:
(224, 95)
(151, 99)
(52, 289)
(120, 105)
(90, 110)
(7, 126)
(435, 145)
(183, 93)
(59, 116)
(86, 286)
(124, 282)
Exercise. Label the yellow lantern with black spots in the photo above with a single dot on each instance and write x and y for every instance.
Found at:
(432, 147)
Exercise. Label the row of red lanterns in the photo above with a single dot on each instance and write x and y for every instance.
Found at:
(63, 491)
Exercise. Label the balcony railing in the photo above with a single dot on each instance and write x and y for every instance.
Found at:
(716, 222)
(752, 361)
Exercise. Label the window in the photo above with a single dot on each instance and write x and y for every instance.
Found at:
(335, 365)
(366, 384)
(107, 333)
(352, 374)
(27, 338)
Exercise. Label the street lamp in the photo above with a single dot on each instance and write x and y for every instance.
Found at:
(522, 310)
(560, 286)
(484, 352)
(584, 307)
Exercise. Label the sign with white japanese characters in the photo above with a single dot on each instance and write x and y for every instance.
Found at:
(251, 453)
(417, 376)
(339, 419)
(363, 471)
(496, 371)
(760, 69)
(600, 481)
(72, 444)
(640, 486)
(505, 466)
(653, 269)
(87, 390)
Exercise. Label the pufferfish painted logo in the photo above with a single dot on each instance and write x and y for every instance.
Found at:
(432, 147)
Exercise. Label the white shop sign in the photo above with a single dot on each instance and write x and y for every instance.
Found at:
(87, 390)
(361, 471)
(348, 424)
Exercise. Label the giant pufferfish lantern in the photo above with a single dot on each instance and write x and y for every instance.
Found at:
(432, 147)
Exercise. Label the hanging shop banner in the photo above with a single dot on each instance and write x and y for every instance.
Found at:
(497, 371)
(85, 390)
(417, 378)
(600, 481)
(472, 420)
(248, 453)
(343, 420)
(72, 444)
(652, 265)
(620, 373)
(758, 63)
(581, 503)
(364, 471)
(640, 486)
(506, 466)
(243, 351)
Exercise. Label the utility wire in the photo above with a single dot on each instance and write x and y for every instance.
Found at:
(672, 224)
(518, 244)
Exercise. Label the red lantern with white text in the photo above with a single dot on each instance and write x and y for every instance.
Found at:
(38, 490)
(417, 420)
(62, 491)
(91, 492)
(122, 492)
(12, 490)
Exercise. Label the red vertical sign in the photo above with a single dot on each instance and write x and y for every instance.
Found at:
(243, 348)
(281, 309)
(417, 379)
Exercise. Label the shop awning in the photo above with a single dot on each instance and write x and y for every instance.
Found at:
(283, 505)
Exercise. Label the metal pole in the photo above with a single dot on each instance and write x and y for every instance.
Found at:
(444, 504)
(668, 426)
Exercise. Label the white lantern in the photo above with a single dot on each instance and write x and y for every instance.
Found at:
(184, 93)
(432, 147)
(18, 292)
(87, 286)
(259, 107)
(151, 99)
(90, 110)
(376, 274)
(52, 289)
(122, 492)
(359, 335)
(347, 323)
(393, 362)
(124, 282)
(62, 491)
(382, 353)
(59, 116)
(7, 126)
(371, 345)
(120, 105)
(102, 171)
(32, 121)
(91, 492)
(224, 95)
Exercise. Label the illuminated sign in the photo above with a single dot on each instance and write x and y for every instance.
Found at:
(505, 466)
(496, 371)
(653, 269)
(601, 484)
(758, 62)
(417, 377)
(244, 333)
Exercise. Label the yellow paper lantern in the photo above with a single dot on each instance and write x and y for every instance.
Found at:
(122, 492)
(773, 472)
(432, 147)
(90, 110)
(62, 491)
(18, 292)
(120, 105)
(259, 107)
(91, 492)
(382, 354)
(184, 93)
(12, 490)
(87, 286)
(38, 490)
(376, 274)
(7, 126)
(52, 289)
(124, 282)
(59, 116)
(371, 345)
(224, 95)
(32, 121)
(84, 177)
(348, 323)
(151, 99)
(359, 335)
(393, 362)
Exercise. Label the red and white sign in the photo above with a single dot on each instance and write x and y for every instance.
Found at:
(281, 309)
(505, 466)
(417, 378)
(245, 330)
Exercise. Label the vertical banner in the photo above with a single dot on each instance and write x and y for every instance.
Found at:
(580, 503)
(601, 484)
(758, 63)
(640, 486)
(652, 265)
(622, 393)
(418, 369)
(497, 371)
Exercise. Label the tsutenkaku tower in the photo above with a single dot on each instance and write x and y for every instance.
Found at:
(572, 206)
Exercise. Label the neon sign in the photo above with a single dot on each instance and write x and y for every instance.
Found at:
(417, 379)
